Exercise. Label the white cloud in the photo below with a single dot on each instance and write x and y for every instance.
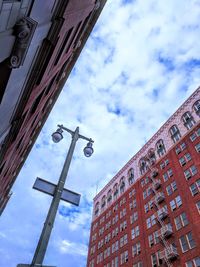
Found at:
(141, 62)
(67, 247)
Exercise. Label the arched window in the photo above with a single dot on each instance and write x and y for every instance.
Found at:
(131, 176)
(143, 166)
(160, 148)
(96, 208)
(122, 185)
(152, 156)
(197, 107)
(115, 191)
(103, 202)
(175, 133)
(188, 120)
(109, 196)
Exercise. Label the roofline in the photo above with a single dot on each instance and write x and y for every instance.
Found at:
(160, 130)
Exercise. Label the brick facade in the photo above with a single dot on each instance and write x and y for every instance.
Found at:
(29, 91)
(154, 218)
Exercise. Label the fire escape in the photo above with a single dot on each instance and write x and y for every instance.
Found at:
(169, 252)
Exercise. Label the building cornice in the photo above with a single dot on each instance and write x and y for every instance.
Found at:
(147, 146)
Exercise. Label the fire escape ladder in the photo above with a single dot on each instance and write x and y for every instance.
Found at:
(164, 241)
(162, 224)
(168, 247)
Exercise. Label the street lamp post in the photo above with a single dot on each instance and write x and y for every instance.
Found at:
(58, 191)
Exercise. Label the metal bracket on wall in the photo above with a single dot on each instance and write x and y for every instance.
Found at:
(23, 30)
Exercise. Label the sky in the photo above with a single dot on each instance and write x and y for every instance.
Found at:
(141, 62)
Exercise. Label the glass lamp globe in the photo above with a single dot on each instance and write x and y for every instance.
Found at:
(57, 136)
(88, 150)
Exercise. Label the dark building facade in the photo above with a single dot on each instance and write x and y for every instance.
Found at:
(40, 42)
(148, 215)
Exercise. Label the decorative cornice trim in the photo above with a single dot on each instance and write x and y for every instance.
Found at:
(148, 144)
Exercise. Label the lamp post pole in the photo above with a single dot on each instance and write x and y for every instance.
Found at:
(49, 222)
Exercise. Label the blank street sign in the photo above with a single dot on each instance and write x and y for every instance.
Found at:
(49, 188)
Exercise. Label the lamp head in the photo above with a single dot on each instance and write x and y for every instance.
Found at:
(57, 135)
(88, 150)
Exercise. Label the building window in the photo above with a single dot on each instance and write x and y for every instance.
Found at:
(180, 148)
(134, 217)
(97, 209)
(146, 193)
(133, 204)
(195, 188)
(151, 221)
(175, 133)
(143, 166)
(187, 242)
(142, 183)
(124, 257)
(171, 188)
(115, 246)
(153, 239)
(160, 148)
(131, 176)
(193, 263)
(132, 193)
(162, 213)
(122, 185)
(183, 146)
(181, 221)
(188, 120)
(190, 172)
(106, 252)
(115, 191)
(167, 174)
(138, 264)
(115, 262)
(151, 156)
(198, 206)
(109, 196)
(177, 150)
(164, 163)
(136, 249)
(135, 232)
(198, 132)
(174, 186)
(146, 208)
(146, 180)
(175, 203)
(123, 226)
(122, 201)
(184, 159)
(155, 259)
(197, 107)
(103, 202)
(123, 240)
(91, 264)
(122, 213)
(197, 147)
(193, 137)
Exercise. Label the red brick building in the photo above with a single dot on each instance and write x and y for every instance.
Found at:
(149, 213)
(40, 42)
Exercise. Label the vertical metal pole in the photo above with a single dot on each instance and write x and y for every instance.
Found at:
(48, 225)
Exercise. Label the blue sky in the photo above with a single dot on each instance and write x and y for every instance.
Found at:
(139, 65)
